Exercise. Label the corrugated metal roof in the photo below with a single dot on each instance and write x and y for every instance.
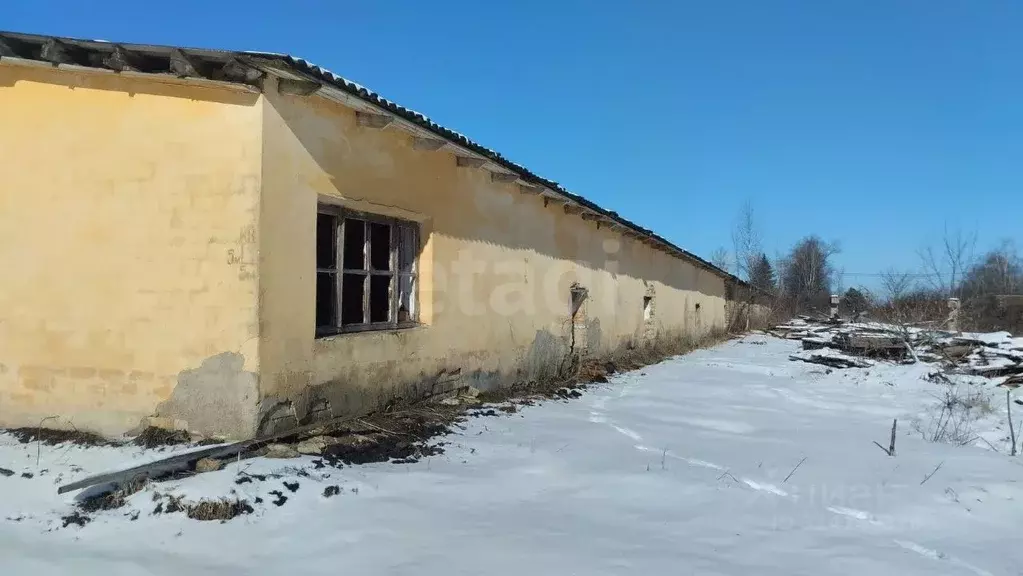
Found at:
(92, 53)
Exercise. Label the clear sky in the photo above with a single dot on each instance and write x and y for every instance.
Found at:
(873, 123)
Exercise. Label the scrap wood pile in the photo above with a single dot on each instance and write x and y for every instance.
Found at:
(840, 344)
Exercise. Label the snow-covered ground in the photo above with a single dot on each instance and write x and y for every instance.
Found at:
(733, 460)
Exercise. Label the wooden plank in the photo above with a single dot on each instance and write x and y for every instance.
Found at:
(120, 60)
(157, 468)
(237, 71)
(297, 87)
(181, 65)
(469, 161)
(6, 51)
(503, 177)
(54, 51)
(429, 144)
(177, 462)
(369, 120)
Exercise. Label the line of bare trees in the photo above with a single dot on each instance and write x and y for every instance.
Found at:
(796, 282)
(801, 280)
(989, 286)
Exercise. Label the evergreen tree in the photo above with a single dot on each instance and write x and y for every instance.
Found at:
(853, 301)
(761, 275)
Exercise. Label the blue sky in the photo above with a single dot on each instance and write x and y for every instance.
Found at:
(873, 123)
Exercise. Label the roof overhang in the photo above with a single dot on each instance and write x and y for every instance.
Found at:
(299, 77)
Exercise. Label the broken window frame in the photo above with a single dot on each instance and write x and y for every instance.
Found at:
(343, 217)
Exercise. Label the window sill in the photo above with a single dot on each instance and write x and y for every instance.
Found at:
(322, 333)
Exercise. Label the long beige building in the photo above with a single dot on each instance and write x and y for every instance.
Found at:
(235, 242)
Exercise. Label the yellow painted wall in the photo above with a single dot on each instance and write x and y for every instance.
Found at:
(157, 241)
(510, 322)
(128, 245)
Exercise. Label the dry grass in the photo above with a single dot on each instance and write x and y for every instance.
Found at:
(958, 407)
(153, 437)
(115, 498)
(222, 509)
(52, 437)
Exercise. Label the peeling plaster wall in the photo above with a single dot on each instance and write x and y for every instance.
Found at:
(128, 244)
(511, 322)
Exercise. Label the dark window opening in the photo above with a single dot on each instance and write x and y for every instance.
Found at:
(376, 260)
(355, 244)
(326, 312)
(379, 298)
(326, 244)
(353, 289)
(326, 270)
(380, 244)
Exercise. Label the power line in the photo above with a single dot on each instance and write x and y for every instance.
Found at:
(881, 274)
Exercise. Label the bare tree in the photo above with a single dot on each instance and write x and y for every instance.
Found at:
(807, 274)
(746, 242)
(720, 258)
(998, 272)
(895, 285)
(947, 264)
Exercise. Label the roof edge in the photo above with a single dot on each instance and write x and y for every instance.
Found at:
(96, 54)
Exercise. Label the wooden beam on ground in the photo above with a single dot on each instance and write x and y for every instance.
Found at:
(430, 144)
(179, 462)
(370, 120)
(156, 469)
(293, 87)
(503, 177)
(470, 161)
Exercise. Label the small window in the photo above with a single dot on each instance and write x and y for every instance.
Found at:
(648, 308)
(366, 271)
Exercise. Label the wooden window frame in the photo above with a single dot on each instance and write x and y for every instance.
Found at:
(341, 218)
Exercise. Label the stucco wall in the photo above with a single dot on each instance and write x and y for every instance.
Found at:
(496, 268)
(128, 211)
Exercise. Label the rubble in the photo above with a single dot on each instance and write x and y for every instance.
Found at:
(208, 465)
(831, 358)
(843, 344)
(280, 451)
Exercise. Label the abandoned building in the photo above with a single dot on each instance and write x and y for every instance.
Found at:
(236, 242)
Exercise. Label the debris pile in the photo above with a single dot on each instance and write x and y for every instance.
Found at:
(839, 344)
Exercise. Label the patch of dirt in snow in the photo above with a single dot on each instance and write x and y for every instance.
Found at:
(52, 437)
(153, 437)
(400, 437)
